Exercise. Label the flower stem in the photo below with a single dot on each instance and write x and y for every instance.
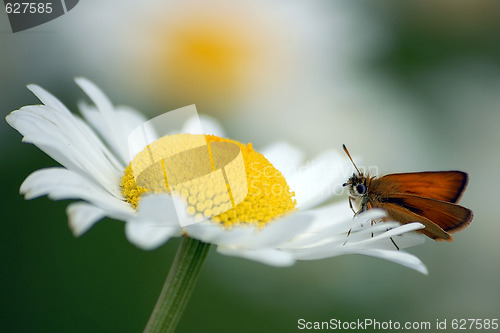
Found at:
(179, 285)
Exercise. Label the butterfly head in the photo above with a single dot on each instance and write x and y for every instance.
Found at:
(357, 183)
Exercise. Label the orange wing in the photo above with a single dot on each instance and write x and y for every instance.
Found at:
(440, 185)
(439, 217)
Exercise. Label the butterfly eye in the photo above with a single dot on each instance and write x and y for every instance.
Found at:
(361, 188)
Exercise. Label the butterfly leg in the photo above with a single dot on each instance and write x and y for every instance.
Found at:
(356, 213)
(369, 206)
(350, 205)
(396, 245)
(348, 233)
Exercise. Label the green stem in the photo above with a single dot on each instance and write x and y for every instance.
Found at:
(178, 286)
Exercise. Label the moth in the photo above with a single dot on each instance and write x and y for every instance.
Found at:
(429, 197)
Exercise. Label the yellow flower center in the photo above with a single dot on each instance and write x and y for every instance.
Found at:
(268, 196)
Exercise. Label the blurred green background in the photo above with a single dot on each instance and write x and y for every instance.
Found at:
(408, 86)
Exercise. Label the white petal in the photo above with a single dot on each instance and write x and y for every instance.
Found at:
(148, 236)
(209, 125)
(210, 232)
(205, 231)
(279, 232)
(112, 122)
(320, 179)
(70, 142)
(267, 256)
(284, 157)
(332, 215)
(399, 257)
(129, 120)
(60, 183)
(155, 223)
(338, 244)
(388, 234)
(251, 237)
(48, 99)
(332, 224)
(408, 240)
(400, 236)
(360, 242)
(83, 216)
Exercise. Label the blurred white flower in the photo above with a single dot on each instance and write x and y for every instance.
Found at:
(224, 53)
(94, 160)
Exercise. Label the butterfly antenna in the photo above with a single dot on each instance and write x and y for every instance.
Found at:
(347, 152)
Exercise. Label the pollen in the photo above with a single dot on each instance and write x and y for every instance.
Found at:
(220, 179)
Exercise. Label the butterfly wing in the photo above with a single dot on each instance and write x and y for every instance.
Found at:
(440, 185)
(439, 217)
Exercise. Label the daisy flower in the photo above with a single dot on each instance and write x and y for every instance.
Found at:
(285, 217)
